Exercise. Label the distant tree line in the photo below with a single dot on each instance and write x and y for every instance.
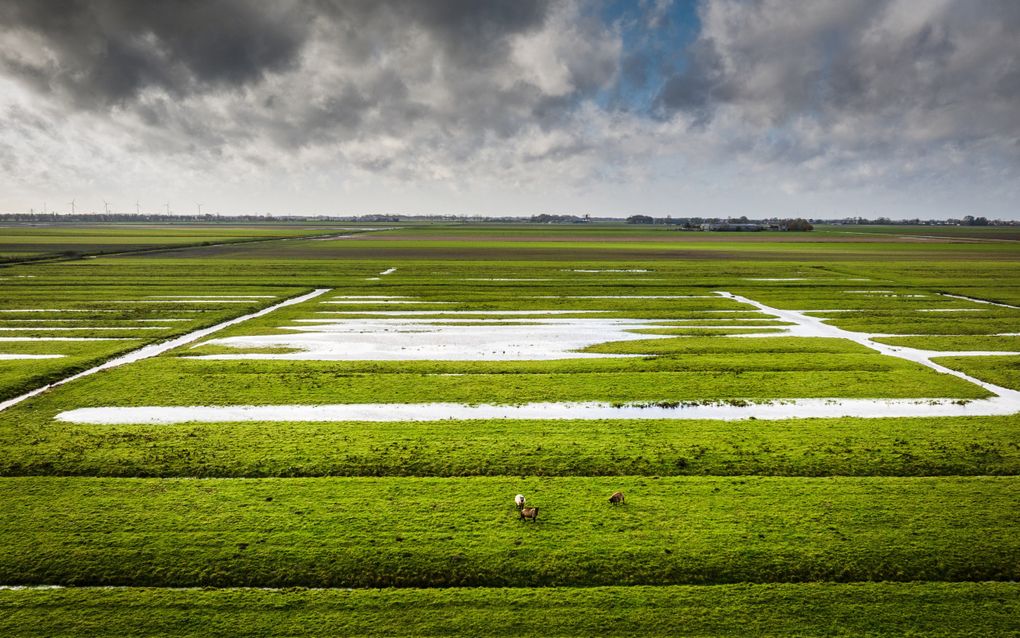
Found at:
(545, 218)
(967, 220)
(557, 219)
(740, 223)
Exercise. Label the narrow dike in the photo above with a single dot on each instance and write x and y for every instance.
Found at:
(155, 349)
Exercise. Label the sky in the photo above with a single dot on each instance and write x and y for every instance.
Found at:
(713, 108)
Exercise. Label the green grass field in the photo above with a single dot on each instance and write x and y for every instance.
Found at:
(33, 242)
(797, 526)
(87, 324)
(803, 609)
(438, 532)
(815, 447)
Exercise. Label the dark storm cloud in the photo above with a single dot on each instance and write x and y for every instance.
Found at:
(451, 74)
(295, 72)
(108, 51)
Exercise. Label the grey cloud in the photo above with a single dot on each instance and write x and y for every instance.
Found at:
(872, 94)
(514, 89)
(230, 76)
(108, 51)
(779, 61)
(469, 33)
(436, 73)
(699, 87)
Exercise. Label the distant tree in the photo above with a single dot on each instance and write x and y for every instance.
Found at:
(640, 219)
(556, 219)
(799, 225)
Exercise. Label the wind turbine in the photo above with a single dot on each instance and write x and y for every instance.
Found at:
(137, 210)
(106, 206)
(72, 207)
(168, 208)
(199, 209)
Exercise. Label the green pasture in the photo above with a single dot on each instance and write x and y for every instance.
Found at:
(558, 276)
(954, 325)
(970, 342)
(382, 246)
(183, 381)
(35, 445)
(440, 532)
(20, 241)
(802, 609)
(386, 243)
(1000, 370)
(982, 233)
(18, 376)
(595, 243)
(14, 233)
(43, 314)
(1007, 292)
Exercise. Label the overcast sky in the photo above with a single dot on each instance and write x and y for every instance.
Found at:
(819, 108)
